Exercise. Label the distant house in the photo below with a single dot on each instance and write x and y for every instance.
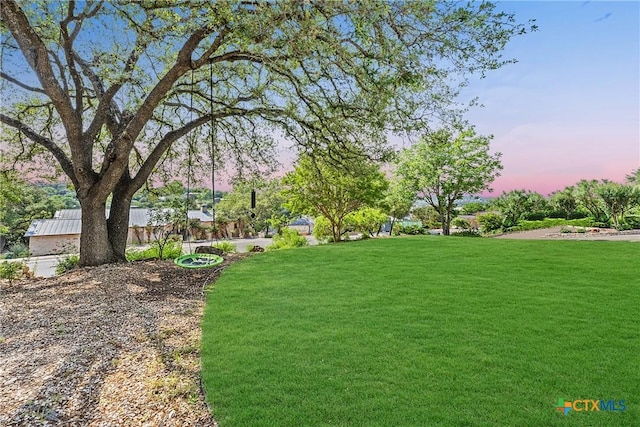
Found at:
(61, 234)
(303, 225)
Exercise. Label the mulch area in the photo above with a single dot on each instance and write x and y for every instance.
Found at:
(104, 346)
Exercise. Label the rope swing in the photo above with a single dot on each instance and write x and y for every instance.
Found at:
(201, 260)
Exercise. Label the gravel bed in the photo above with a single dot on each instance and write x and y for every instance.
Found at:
(104, 346)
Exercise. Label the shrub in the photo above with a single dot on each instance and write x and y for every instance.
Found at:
(287, 240)
(557, 214)
(322, 228)
(473, 207)
(411, 229)
(67, 263)
(367, 221)
(11, 270)
(225, 246)
(461, 223)
(631, 223)
(490, 222)
(17, 250)
(171, 249)
(536, 216)
(466, 233)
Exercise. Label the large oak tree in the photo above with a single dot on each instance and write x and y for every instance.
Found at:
(109, 91)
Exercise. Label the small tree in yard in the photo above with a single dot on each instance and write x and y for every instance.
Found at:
(317, 187)
(165, 224)
(442, 167)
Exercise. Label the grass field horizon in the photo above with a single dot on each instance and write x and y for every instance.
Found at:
(425, 331)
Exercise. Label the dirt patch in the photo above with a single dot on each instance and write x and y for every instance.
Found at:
(109, 345)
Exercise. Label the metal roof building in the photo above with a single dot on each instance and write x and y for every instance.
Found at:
(62, 232)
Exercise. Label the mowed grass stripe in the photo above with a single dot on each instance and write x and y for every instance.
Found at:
(425, 331)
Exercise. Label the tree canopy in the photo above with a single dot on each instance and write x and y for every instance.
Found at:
(319, 188)
(111, 92)
(444, 166)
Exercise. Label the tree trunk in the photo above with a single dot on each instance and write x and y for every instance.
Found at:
(118, 223)
(95, 246)
(335, 230)
(446, 226)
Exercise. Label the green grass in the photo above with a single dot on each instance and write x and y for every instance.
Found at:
(425, 331)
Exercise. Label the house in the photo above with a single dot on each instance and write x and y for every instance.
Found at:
(61, 234)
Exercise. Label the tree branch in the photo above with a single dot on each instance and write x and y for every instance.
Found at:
(19, 83)
(51, 146)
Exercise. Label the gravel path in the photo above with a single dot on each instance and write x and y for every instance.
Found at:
(554, 233)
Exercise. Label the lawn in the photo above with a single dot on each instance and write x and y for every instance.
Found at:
(426, 331)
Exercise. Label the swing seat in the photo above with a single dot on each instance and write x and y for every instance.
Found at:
(198, 260)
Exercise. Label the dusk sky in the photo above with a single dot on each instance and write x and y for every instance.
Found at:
(570, 108)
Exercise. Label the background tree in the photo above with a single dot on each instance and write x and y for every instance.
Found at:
(587, 196)
(471, 208)
(427, 215)
(235, 206)
(634, 177)
(564, 201)
(516, 204)
(21, 203)
(316, 187)
(618, 199)
(109, 91)
(442, 167)
(398, 201)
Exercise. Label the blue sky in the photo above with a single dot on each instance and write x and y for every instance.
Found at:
(570, 108)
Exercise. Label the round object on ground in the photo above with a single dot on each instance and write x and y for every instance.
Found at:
(198, 260)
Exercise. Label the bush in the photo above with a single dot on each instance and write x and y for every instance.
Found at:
(473, 207)
(461, 223)
(287, 240)
(577, 215)
(225, 246)
(631, 222)
(411, 229)
(17, 250)
(367, 221)
(550, 222)
(171, 249)
(68, 263)
(536, 216)
(466, 233)
(490, 222)
(11, 270)
(556, 214)
(322, 228)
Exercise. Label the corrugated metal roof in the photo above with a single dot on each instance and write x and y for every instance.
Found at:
(136, 216)
(53, 227)
(68, 221)
(202, 216)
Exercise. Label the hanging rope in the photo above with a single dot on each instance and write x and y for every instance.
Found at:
(189, 164)
(213, 149)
